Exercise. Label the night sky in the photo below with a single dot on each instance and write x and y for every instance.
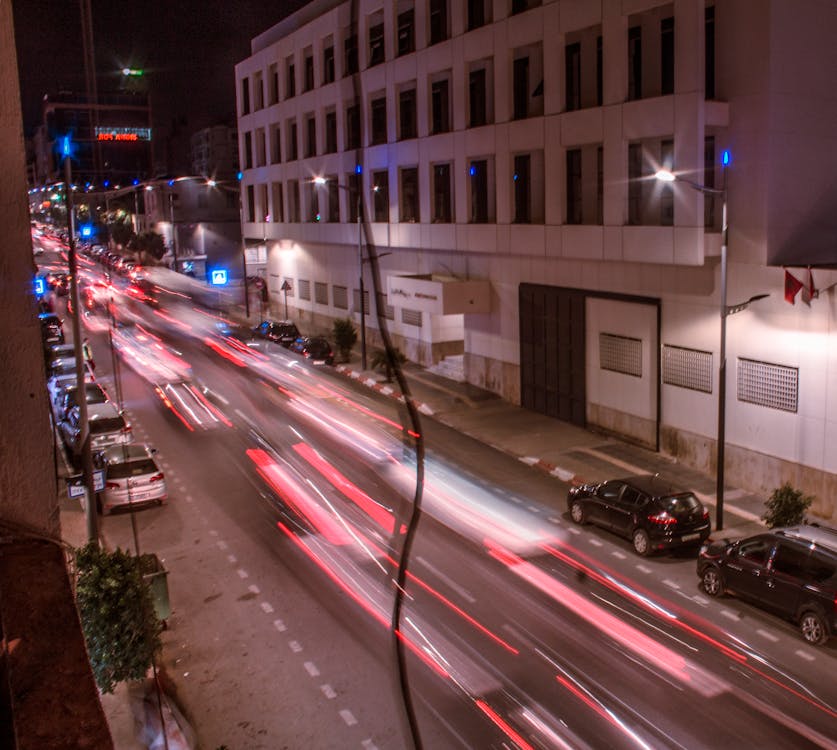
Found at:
(188, 49)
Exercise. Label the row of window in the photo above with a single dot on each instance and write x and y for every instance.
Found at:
(649, 68)
(650, 202)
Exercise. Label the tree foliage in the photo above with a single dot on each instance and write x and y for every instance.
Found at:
(148, 246)
(120, 228)
(381, 361)
(117, 615)
(786, 507)
(345, 337)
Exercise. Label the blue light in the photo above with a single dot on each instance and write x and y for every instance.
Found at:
(218, 276)
(40, 287)
(358, 169)
(107, 183)
(65, 146)
(240, 175)
(515, 176)
(725, 157)
(87, 185)
(171, 182)
(472, 171)
(86, 230)
(136, 181)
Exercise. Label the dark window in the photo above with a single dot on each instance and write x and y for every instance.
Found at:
(278, 203)
(406, 32)
(376, 44)
(634, 63)
(310, 136)
(521, 88)
(292, 144)
(667, 189)
(274, 84)
(440, 106)
(709, 182)
(290, 88)
(634, 183)
(819, 569)
(522, 188)
(245, 96)
(353, 182)
(409, 193)
(572, 70)
(379, 120)
(600, 186)
(574, 197)
(293, 201)
(407, 114)
(476, 14)
(442, 210)
(353, 127)
(709, 54)
(251, 203)
(790, 559)
(380, 195)
(438, 21)
(599, 80)
(519, 6)
(328, 64)
(478, 173)
(333, 199)
(350, 55)
(667, 56)
(477, 97)
(309, 72)
(330, 132)
(248, 151)
(313, 202)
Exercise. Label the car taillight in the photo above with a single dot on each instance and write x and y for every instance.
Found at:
(126, 428)
(705, 515)
(112, 485)
(157, 477)
(662, 519)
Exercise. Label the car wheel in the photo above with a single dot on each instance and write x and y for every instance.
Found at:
(577, 512)
(713, 584)
(642, 544)
(813, 627)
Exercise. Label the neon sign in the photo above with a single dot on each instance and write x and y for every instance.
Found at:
(123, 134)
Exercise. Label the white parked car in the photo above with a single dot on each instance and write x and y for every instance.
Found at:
(132, 477)
(107, 427)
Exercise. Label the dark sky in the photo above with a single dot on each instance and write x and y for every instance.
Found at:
(188, 49)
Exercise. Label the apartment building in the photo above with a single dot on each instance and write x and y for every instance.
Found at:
(503, 154)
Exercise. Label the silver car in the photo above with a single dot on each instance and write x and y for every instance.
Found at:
(132, 477)
(107, 427)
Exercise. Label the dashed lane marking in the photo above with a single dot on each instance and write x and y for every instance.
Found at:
(730, 615)
(769, 636)
(348, 717)
(222, 545)
(266, 608)
(805, 655)
(328, 691)
(280, 626)
(595, 542)
(671, 584)
(242, 573)
(232, 559)
(369, 745)
(295, 646)
(618, 555)
(253, 589)
(643, 568)
(573, 530)
(311, 668)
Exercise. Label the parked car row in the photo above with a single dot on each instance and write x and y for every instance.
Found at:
(791, 572)
(285, 333)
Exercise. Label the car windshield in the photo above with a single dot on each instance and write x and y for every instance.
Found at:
(678, 504)
(105, 425)
(131, 468)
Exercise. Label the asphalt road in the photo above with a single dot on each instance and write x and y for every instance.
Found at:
(523, 630)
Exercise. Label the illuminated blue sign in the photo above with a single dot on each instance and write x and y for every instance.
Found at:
(40, 287)
(86, 230)
(218, 277)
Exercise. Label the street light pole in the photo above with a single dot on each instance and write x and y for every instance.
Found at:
(722, 365)
(362, 295)
(173, 229)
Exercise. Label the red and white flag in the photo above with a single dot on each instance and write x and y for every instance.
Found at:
(809, 291)
(792, 287)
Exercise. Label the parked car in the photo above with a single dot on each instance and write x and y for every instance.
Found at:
(282, 332)
(646, 509)
(55, 352)
(132, 477)
(107, 427)
(67, 398)
(52, 329)
(315, 348)
(791, 571)
(63, 374)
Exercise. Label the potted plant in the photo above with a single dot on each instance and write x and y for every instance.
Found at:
(345, 337)
(786, 506)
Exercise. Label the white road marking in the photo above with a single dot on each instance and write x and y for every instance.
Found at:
(242, 573)
(671, 584)
(348, 717)
(563, 474)
(805, 655)
(730, 615)
(643, 568)
(295, 646)
(529, 460)
(328, 691)
(213, 532)
(573, 530)
(232, 559)
(534, 509)
(311, 668)
(553, 519)
(266, 608)
(222, 545)
(595, 542)
(254, 589)
(619, 555)
(369, 745)
(702, 600)
(280, 626)
(769, 636)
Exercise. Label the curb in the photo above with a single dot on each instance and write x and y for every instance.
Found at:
(382, 388)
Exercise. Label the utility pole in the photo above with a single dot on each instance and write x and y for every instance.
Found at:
(173, 230)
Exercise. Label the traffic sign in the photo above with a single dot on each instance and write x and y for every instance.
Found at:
(218, 276)
(286, 286)
(40, 286)
(75, 483)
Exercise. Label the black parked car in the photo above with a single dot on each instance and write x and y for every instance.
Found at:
(792, 572)
(282, 332)
(315, 348)
(52, 329)
(649, 511)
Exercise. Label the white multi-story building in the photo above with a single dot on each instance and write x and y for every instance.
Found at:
(504, 152)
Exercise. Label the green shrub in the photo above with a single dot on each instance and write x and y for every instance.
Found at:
(786, 507)
(345, 337)
(381, 361)
(117, 616)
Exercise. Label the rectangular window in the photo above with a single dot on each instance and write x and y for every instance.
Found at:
(522, 189)
(258, 90)
(667, 56)
(521, 88)
(261, 154)
(667, 188)
(304, 288)
(687, 368)
(356, 301)
(278, 203)
(476, 14)
(376, 44)
(331, 132)
(600, 186)
(411, 317)
(293, 201)
(572, 75)
(388, 310)
(409, 194)
(438, 21)
(275, 144)
(442, 196)
(440, 106)
(310, 136)
(709, 53)
(766, 384)
(709, 181)
(379, 120)
(245, 96)
(328, 64)
(248, 151)
(599, 72)
(291, 141)
(251, 203)
(290, 78)
(620, 354)
(340, 295)
(478, 174)
(273, 91)
(308, 75)
(350, 55)
(477, 98)
(321, 292)
(634, 63)
(634, 183)
(264, 206)
(407, 114)
(574, 197)
(353, 182)
(380, 195)
(333, 199)
(406, 32)
(312, 202)
(353, 127)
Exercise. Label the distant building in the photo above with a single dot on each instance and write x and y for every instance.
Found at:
(215, 152)
(505, 153)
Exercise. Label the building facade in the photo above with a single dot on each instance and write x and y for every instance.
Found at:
(215, 152)
(504, 155)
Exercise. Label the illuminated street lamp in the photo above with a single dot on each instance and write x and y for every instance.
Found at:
(667, 176)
